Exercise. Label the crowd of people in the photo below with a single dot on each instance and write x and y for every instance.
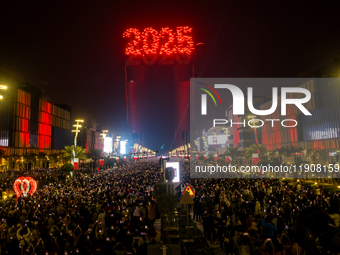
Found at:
(102, 212)
(112, 211)
(255, 216)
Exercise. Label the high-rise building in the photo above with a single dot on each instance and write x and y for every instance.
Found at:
(30, 124)
(321, 130)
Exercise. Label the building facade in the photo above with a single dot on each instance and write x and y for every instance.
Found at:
(29, 124)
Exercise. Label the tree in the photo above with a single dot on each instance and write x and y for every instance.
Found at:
(67, 154)
(234, 153)
(253, 149)
(94, 154)
(67, 168)
(321, 156)
(220, 161)
(2, 153)
(41, 157)
(54, 157)
(30, 158)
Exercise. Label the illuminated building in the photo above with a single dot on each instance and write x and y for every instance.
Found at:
(89, 138)
(30, 124)
(278, 136)
(322, 129)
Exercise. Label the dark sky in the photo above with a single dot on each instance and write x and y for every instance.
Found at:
(74, 50)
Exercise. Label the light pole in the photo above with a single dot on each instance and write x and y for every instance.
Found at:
(103, 135)
(3, 87)
(77, 126)
(117, 144)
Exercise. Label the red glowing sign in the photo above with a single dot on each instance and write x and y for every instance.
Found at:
(76, 165)
(151, 45)
(24, 186)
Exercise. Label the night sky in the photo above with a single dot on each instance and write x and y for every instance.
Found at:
(74, 50)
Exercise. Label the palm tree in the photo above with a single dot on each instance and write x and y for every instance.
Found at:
(67, 153)
(54, 158)
(30, 158)
(234, 153)
(41, 157)
(94, 154)
(2, 153)
(253, 149)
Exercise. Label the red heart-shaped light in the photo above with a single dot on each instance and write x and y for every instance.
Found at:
(24, 186)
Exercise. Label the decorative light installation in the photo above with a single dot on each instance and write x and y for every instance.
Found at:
(168, 47)
(133, 47)
(24, 186)
(151, 45)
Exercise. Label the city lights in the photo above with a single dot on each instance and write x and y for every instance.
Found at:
(123, 147)
(107, 144)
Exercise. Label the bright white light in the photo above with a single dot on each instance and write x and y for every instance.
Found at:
(177, 172)
(122, 147)
(108, 144)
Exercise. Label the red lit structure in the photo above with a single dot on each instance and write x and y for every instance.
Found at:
(166, 47)
(151, 45)
(31, 125)
(24, 186)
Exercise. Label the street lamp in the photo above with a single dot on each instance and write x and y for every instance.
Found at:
(2, 87)
(77, 126)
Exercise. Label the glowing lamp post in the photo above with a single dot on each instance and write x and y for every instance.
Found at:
(103, 135)
(2, 87)
(76, 130)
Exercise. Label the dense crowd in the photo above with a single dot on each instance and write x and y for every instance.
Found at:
(255, 216)
(104, 212)
(113, 211)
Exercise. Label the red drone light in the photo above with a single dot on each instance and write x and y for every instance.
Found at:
(24, 186)
(151, 45)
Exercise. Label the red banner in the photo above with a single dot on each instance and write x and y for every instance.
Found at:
(205, 157)
(227, 159)
(196, 156)
(76, 165)
(216, 158)
(101, 162)
(256, 161)
(117, 160)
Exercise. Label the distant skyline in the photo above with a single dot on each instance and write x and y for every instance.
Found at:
(74, 50)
